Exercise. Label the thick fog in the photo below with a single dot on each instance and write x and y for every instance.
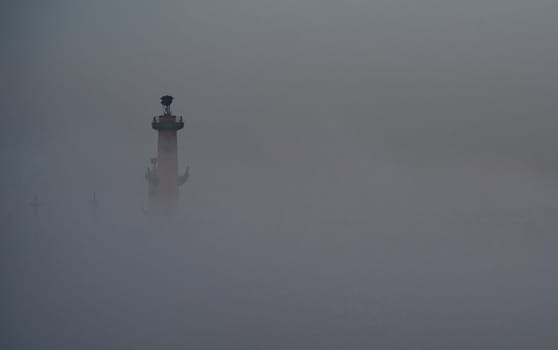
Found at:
(364, 174)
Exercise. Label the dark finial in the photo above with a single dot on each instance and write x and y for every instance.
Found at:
(166, 102)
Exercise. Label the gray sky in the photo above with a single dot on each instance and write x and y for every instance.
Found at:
(328, 141)
(402, 99)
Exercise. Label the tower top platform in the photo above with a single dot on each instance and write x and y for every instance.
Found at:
(167, 121)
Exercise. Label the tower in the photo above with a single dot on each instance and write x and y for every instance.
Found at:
(162, 176)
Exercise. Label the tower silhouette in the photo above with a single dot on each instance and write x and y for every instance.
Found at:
(162, 176)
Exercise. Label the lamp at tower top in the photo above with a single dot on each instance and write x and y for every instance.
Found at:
(166, 102)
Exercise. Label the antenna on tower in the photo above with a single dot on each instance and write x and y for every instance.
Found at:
(36, 205)
(94, 206)
(166, 102)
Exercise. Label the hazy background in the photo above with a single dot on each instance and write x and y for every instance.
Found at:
(364, 173)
